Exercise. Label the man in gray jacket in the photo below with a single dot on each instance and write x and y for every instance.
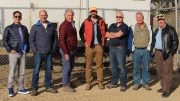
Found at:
(42, 39)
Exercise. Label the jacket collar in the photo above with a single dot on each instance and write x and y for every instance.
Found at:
(69, 22)
(38, 23)
(17, 25)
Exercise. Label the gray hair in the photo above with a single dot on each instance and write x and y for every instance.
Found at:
(68, 10)
(140, 13)
(120, 13)
(43, 10)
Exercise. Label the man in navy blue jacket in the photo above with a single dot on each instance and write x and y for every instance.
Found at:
(42, 41)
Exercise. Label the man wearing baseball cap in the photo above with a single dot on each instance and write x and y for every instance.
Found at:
(92, 33)
(165, 43)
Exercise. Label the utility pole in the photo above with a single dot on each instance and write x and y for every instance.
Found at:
(87, 7)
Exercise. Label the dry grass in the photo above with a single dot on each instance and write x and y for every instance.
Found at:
(82, 95)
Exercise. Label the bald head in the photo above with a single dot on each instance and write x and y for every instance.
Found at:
(43, 16)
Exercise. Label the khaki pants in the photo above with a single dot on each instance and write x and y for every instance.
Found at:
(14, 60)
(91, 54)
(164, 70)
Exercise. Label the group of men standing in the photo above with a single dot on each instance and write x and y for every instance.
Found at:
(163, 43)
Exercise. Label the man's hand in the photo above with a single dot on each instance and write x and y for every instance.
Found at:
(117, 34)
(13, 52)
(108, 35)
(66, 56)
(86, 45)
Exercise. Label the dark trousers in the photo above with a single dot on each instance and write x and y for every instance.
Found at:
(38, 59)
(118, 69)
(164, 70)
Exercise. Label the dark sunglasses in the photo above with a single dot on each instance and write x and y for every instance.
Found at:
(119, 17)
(17, 16)
(160, 16)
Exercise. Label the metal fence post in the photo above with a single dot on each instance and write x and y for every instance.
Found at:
(3, 19)
(103, 14)
(87, 7)
(176, 15)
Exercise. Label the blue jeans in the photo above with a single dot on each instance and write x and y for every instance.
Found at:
(38, 59)
(141, 58)
(68, 65)
(118, 58)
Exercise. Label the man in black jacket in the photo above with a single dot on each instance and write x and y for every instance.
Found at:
(165, 43)
(15, 40)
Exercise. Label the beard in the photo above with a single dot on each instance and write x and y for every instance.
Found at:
(93, 15)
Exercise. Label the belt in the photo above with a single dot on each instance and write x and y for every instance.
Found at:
(116, 46)
(141, 47)
(159, 50)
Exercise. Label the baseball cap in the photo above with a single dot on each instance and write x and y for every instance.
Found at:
(160, 17)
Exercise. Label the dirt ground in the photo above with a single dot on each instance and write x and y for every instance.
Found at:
(78, 79)
(94, 94)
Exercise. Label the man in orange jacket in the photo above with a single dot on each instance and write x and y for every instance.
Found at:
(92, 33)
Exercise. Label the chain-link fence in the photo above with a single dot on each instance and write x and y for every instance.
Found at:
(170, 8)
(55, 8)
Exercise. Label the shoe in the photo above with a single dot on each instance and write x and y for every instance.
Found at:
(135, 87)
(111, 86)
(23, 91)
(34, 92)
(73, 85)
(165, 94)
(51, 90)
(88, 86)
(123, 89)
(11, 92)
(68, 89)
(160, 90)
(101, 86)
(147, 87)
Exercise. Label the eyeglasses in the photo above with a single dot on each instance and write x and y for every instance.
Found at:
(160, 16)
(17, 17)
(119, 17)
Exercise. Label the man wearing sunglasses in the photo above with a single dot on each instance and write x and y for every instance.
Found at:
(92, 33)
(15, 40)
(117, 33)
(165, 44)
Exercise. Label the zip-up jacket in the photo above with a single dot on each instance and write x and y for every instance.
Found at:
(170, 41)
(11, 38)
(86, 32)
(42, 40)
(67, 37)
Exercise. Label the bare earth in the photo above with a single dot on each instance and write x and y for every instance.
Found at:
(94, 94)
(82, 95)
